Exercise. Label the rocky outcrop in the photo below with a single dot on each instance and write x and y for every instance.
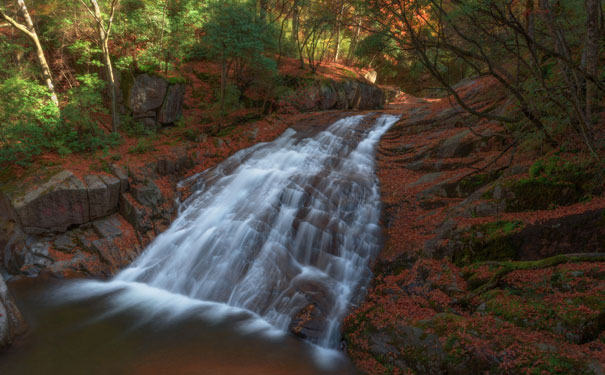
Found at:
(11, 320)
(152, 100)
(62, 201)
(95, 225)
(322, 95)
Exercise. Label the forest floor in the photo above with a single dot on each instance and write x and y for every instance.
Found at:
(473, 278)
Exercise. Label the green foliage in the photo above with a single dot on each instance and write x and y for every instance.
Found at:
(33, 123)
(143, 146)
(234, 34)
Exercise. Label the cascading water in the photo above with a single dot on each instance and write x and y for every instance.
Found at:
(273, 230)
(277, 227)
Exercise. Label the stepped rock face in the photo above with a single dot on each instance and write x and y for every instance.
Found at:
(11, 320)
(62, 201)
(330, 95)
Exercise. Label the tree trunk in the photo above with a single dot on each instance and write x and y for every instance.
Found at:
(591, 52)
(354, 42)
(338, 24)
(30, 31)
(263, 10)
(104, 38)
(295, 21)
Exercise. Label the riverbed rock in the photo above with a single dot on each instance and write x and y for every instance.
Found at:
(11, 320)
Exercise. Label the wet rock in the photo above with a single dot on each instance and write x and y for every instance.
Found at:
(309, 323)
(11, 320)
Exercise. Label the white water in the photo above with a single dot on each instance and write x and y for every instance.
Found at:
(271, 230)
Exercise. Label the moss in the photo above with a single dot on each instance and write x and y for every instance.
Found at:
(541, 194)
(491, 241)
(470, 184)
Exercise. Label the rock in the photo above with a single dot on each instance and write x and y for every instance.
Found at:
(148, 194)
(108, 228)
(98, 197)
(133, 214)
(327, 97)
(64, 243)
(309, 323)
(410, 348)
(456, 146)
(122, 176)
(53, 206)
(427, 178)
(147, 94)
(172, 108)
(371, 76)
(11, 320)
(114, 188)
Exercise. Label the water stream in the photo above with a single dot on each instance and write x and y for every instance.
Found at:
(274, 229)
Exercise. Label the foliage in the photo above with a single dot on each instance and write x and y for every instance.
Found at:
(235, 37)
(34, 124)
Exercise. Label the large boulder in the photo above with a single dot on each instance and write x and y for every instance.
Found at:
(11, 320)
(172, 108)
(147, 94)
(152, 100)
(55, 205)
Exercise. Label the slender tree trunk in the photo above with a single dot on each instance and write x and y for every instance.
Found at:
(338, 26)
(295, 21)
(30, 31)
(263, 10)
(104, 39)
(354, 42)
(591, 51)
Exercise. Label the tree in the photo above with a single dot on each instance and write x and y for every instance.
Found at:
(236, 38)
(103, 33)
(30, 31)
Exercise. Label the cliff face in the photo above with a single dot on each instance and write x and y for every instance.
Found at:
(494, 258)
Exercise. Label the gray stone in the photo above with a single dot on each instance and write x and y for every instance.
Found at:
(427, 178)
(113, 192)
(11, 320)
(108, 228)
(98, 197)
(147, 94)
(456, 146)
(55, 205)
(172, 108)
(64, 243)
(122, 176)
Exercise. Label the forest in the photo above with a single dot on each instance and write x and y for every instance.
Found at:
(117, 117)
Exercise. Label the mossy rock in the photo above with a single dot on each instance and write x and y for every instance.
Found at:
(491, 241)
(541, 194)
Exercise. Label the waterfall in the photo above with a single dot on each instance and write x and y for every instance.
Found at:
(274, 229)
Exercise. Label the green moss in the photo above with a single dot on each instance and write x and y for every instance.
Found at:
(541, 194)
(470, 184)
(491, 241)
